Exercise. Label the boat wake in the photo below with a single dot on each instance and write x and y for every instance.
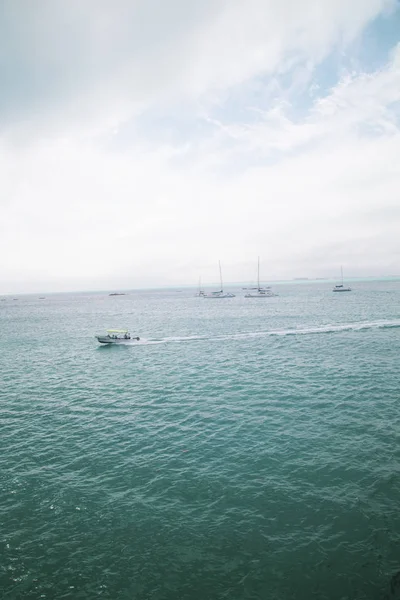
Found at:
(326, 329)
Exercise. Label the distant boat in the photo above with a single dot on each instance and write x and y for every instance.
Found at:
(116, 336)
(220, 293)
(260, 292)
(200, 292)
(117, 294)
(340, 287)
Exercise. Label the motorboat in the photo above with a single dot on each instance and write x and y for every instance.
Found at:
(340, 287)
(116, 336)
(260, 292)
(220, 293)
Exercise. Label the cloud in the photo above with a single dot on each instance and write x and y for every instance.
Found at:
(142, 142)
(97, 59)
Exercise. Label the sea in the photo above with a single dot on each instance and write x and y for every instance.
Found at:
(243, 449)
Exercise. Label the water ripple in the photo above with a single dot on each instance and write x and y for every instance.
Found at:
(234, 453)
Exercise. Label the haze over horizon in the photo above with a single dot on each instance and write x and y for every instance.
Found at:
(141, 142)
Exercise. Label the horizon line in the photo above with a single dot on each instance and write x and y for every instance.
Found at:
(295, 281)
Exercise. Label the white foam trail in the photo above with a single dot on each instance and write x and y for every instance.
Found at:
(331, 328)
(144, 342)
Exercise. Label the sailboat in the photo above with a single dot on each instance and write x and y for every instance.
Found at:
(200, 292)
(260, 292)
(340, 287)
(220, 293)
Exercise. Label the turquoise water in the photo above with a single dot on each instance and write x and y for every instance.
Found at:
(244, 449)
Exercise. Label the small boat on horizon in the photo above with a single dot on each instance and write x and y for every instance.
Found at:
(116, 336)
(260, 292)
(117, 294)
(340, 287)
(220, 293)
(200, 292)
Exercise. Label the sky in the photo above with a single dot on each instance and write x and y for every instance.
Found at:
(141, 141)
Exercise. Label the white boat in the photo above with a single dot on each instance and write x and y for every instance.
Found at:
(340, 287)
(220, 293)
(200, 293)
(116, 336)
(260, 292)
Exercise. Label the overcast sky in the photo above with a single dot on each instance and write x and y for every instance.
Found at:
(143, 140)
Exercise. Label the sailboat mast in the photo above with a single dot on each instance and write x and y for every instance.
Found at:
(341, 271)
(220, 274)
(258, 273)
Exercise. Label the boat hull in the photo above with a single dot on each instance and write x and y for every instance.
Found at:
(261, 295)
(105, 339)
(219, 296)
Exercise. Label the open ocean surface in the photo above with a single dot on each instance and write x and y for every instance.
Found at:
(244, 449)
